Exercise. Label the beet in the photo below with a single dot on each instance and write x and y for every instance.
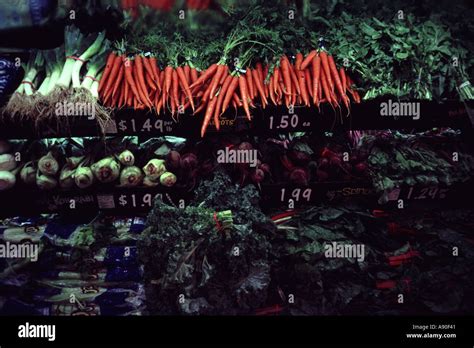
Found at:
(328, 153)
(360, 167)
(189, 161)
(335, 161)
(245, 146)
(257, 176)
(299, 176)
(323, 163)
(286, 162)
(298, 157)
(173, 160)
(265, 167)
(322, 175)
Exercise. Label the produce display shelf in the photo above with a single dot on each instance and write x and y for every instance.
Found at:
(364, 116)
(119, 200)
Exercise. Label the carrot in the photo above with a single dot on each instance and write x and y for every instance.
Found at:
(121, 100)
(222, 93)
(166, 84)
(126, 88)
(194, 75)
(237, 99)
(149, 71)
(342, 75)
(229, 93)
(244, 95)
(118, 81)
(206, 75)
(208, 115)
(298, 60)
(258, 84)
(215, 80)
(327, 69)
(308, 59)
(316, 70)
(285, 69)
(140, 82)
(337, 80)
(304, 91)
(156, 71)
(129, 77)
(276, 74)
(200, 107)
(182, 77)
(187, 73)
(271, 89)
(112, 76)
(294, 80)
(108, 68)
(326, 90)
(174, 88)
(223, 75)
(309, 83)
(265, 75)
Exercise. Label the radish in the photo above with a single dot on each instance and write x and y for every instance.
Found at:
(173, 160)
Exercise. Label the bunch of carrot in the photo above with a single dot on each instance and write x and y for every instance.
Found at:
(138, 82)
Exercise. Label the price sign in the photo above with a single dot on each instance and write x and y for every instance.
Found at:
(136, 200)
(422, 193)
(145, 125)
(288, 122)
(296, 194)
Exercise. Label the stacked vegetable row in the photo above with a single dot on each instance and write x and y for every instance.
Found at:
(138, 82)
(54, 170)
(55, 76)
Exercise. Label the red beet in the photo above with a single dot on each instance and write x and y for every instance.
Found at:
(299, 157)
(335, 161)
(189, 161)
(245, 146)
(323, 163)
(286, 162)
(265, 167)
(322, 175)
(257, 176)
(360, 167)
(173, 160)
(299, 176)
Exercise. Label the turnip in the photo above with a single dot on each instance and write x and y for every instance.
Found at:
(131, 176)
(28, 173)
(126, 158)
(149, 183)
(106, 170)
(45, 182)
(74, 161)
(66, 177)
(168, 179)
(7, 180)
(154, 168)
(83, 177)
(7, 162)
(48, 165)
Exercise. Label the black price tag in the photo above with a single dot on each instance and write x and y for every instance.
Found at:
(145, 125)
(424, 193)
(281, 121)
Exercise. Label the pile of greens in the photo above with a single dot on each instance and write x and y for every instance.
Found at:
(397, 159)
(210, 257)
(435, 281)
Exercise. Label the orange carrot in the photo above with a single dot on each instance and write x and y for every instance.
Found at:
(244, 95)
(194, 75)
(118, 81)
(156, 71)
(108, 68)
(248, 76)
(187, 73)
(215, 80)
(208, 115)
(182, 77)
(309, 83)
(220, 98)
(308, 59)
(112, 76)
(285, 69)
(206, 75)
(128, 75)
(298, 60)
(258, 84)
(230, 92)
(316, 70)
(327, 69)
(149, 70)
(304, 91)
(337, 80)
(342, 75)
